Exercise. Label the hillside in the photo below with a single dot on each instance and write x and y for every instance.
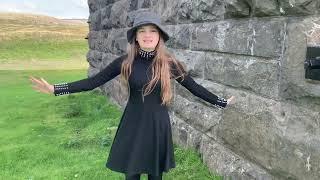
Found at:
(20, 25)
(30, 41)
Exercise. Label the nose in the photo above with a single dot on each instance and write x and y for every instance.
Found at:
(148, 34)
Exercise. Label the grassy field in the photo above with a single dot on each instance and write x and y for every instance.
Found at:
(48, 49)
(26, 37)
(64, 137)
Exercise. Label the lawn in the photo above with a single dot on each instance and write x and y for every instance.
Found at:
(43, 50)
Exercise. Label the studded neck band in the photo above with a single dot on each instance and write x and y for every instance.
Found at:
(146, 55)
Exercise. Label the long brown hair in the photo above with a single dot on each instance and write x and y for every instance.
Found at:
(161, 69)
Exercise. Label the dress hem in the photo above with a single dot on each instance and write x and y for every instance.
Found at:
(139, 172)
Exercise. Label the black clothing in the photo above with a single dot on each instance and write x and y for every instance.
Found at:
(133, 177)
(143, 141)
(151, 177)
(137, 177)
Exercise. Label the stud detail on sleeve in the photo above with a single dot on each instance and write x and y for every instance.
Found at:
(61, 89)
(221, 103)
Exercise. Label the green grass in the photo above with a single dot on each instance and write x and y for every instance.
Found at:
(25, 37)
(47, 49)
(65, 137)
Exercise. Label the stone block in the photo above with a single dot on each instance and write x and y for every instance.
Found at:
(253, 74)
(294, 86)
(247, 37)
(193, 60)
(301, 7)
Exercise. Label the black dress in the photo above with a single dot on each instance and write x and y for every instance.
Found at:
(143, 141)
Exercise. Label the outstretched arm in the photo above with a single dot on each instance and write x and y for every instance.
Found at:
(108, 73)
(196, 89)
(201, 92)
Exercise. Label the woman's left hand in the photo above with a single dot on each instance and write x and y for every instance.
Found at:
(231, 100)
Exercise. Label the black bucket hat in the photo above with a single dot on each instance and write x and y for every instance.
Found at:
(144, 18)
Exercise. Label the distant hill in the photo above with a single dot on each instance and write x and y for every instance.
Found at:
(36, 19)
(21, 25)
(75, 20)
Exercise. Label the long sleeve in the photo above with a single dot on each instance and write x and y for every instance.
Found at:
(108, 73)
(196, 89)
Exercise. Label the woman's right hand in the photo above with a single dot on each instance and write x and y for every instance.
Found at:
(41, 85)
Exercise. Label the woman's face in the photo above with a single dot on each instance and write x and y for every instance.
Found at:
(147, 37)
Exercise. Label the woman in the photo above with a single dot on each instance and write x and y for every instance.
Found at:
(143, 141)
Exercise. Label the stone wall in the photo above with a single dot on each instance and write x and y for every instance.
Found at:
(252, 49)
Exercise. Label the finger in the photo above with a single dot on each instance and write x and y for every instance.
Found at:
(41, 83)
(42, 91)
(39, 89)
(231, 100)
(47, 85)
(32, 79)
(36, 88)
(36, 81)
(45, 81)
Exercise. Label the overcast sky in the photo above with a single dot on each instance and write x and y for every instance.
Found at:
(55, 8)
